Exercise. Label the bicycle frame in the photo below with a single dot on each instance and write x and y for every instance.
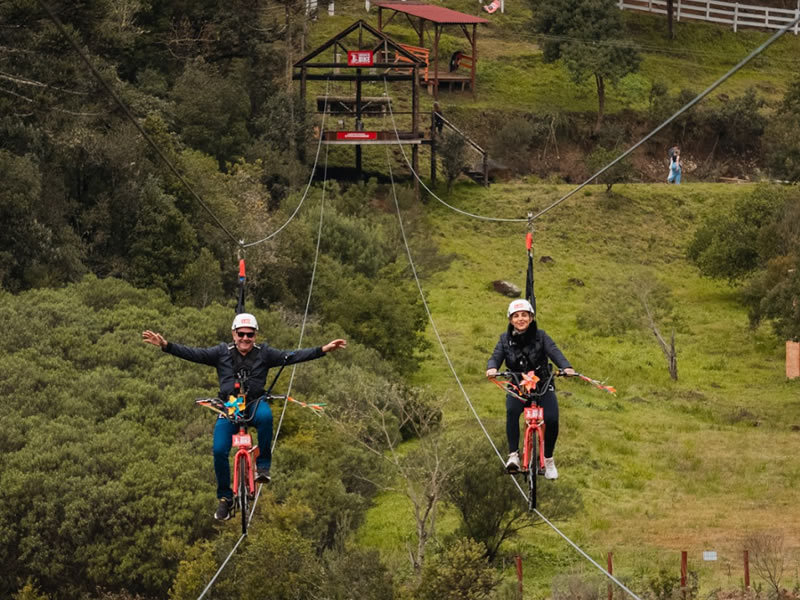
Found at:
(244, 461)
(247, 454)
(534, 417)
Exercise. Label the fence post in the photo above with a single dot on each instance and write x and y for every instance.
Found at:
(518, 560)
(792, 359)
(735, 16)
(679, 11)
(747, 570)
(683, 573)
(610, 572)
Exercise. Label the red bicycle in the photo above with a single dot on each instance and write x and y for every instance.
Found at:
(526, 388)
(244, 461)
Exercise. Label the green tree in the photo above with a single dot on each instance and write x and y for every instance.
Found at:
(459, 572)
(453, 150)
(622, 172)
(753, 245)
(782, 133)
(589, 37)
(491, 508)
(212, 110)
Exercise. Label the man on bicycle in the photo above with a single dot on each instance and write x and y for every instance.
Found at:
(524, 347)
(252, 360)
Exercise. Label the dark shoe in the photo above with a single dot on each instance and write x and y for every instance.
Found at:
(262, 476)
(224, 510)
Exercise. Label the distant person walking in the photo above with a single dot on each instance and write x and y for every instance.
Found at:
(674, 175)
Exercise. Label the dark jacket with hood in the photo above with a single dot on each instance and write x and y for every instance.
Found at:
(228, 361)
(527, 351)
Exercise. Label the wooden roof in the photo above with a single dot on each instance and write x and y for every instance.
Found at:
(432, 12)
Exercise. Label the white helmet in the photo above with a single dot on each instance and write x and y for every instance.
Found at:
(244, 320)
(518, 305)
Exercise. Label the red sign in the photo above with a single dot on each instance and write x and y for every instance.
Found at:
(356, 135)
(359, 58)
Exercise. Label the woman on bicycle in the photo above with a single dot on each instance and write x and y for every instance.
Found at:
(524, 347)
(244, 355)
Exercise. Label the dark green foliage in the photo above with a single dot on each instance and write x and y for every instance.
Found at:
(621, 172)
(351, 572)
(492, 509)
(459, 572)
(754, 244)
(105, 465)
(212, 110)
(737, 123)
(578, 32)
(452, 147)
(726, 245)
(783, 131)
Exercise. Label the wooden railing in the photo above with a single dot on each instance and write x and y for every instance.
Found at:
(728, 13)
(422, 53)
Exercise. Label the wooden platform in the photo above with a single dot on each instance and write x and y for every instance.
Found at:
(346, 105)
(372, 137)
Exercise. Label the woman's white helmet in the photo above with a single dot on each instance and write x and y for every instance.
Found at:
(244, 320)
(518, 305)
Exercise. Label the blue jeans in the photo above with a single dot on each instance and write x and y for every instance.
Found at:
(223, 432)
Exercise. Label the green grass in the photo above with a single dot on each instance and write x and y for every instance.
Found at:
(665, 466)
(512, 76)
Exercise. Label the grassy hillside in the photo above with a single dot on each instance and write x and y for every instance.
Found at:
(665, 466)
(512, 76)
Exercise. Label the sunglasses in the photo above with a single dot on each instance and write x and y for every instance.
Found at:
(246, 334)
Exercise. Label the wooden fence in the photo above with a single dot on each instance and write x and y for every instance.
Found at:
(728, 13)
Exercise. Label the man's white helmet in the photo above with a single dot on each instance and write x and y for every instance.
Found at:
(518, 305)
(244, 320)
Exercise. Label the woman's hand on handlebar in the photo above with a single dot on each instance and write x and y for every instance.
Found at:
(491, 373)
(568, 372)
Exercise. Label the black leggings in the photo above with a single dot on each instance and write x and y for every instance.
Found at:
(514, 407)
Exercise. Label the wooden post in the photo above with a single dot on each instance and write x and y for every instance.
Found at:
(610, 572)
(433, 149)
(518, 560)
(746, 570)
(792, 359)
(683, 573)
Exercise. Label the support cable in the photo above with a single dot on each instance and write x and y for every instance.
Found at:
(60, 26)
(680, 111)
(467, 398)
(669, 120)
(310, 179)
(308, 300)
(300, 341)
(429, 190)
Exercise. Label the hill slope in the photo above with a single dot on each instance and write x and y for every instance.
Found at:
(695, 464)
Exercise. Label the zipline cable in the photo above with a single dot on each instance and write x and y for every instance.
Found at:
(418, 178)
(669, 120)
(680, 111)
(60, 26)
(466, 396)
(310, 290)
(300, 341)
(310, 179)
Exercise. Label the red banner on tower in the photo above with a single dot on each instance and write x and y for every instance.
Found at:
(359, 58)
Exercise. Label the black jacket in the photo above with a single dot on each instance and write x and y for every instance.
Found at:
(526, 351)
(228, 361)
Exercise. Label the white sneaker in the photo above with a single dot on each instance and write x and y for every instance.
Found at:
(512, 464)
(550, 471)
